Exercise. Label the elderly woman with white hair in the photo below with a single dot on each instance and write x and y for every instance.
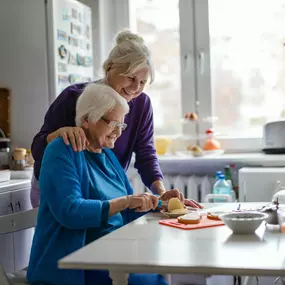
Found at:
(85, 195)
(127, 69)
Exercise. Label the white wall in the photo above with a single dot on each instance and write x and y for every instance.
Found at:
(24, 33)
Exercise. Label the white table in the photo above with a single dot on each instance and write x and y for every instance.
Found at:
(146, 246)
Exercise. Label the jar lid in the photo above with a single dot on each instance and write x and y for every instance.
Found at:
(23, 150)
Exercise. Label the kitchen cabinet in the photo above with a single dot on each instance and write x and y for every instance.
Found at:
(15, 247)
(6, 240)
(21, 201)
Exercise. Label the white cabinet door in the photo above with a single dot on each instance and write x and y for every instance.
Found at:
(21, 200)
(6, 240)
(22, 239)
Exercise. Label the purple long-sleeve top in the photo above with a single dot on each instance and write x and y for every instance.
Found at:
(137, 138)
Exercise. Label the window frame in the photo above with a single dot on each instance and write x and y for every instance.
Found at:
(204, 96)
(195, 70)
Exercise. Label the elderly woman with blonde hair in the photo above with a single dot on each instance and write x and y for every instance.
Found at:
(85, 195)
(127, 69)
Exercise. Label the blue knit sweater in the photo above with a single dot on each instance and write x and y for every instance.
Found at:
(75, 189)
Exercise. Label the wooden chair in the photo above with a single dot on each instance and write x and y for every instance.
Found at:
(9, 224)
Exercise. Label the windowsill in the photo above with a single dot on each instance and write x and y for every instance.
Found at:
(251, 159)
(183, 164)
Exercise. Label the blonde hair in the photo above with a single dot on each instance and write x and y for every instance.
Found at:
(95, 101)
(129, 52)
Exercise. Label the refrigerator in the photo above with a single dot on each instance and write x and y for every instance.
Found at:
(70, 43)
(45, 46)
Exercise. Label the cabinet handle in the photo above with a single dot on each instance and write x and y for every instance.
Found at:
(187, 60)
(11, 206)
(19, 205)
(201, 58)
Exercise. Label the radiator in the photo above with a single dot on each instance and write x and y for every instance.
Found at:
(193, 186)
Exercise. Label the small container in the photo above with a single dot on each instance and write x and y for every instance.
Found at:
(162, 144)
(271, 210)
(29, 158)
(4, 153)
(281, 219)
(19, 156)
(211, 143)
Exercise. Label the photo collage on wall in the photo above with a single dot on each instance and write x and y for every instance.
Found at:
(74, 47)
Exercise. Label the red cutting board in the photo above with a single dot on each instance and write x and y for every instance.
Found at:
(204, 223)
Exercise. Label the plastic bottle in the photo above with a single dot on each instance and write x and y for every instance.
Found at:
(228, 176)
(229, 179)
(211, 143)
(221, 187)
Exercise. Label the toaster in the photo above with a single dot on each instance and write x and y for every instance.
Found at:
(274, 137)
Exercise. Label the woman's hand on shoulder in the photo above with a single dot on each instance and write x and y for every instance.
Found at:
(143, 202)
(73, 135)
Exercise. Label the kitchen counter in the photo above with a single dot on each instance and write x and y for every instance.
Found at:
(14, 184)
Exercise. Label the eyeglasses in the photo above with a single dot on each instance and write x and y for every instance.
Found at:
(115, 124)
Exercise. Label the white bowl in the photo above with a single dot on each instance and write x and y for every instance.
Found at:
(243, 222)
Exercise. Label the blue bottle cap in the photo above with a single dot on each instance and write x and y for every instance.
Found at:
(218, 173)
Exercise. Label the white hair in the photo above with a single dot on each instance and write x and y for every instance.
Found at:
(95, 101)
(131, 53)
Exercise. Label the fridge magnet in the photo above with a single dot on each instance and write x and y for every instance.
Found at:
(84, 60)
(62, 51)
(73, 78)
(74, 13)
(62, 79)
(80, 17)
(62, 67)
(87, 31)
(75, 29)
(73, 41)
(65, 14)
(72, 59)
(61, 35)
(82, 44)
(80, 59)
(87, 61)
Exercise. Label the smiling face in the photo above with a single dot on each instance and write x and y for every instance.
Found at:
(128, 86)
(105, 132)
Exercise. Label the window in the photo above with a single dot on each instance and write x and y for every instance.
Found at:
(247, 64)
(157, 21)
(243, 53)
(224, 59)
